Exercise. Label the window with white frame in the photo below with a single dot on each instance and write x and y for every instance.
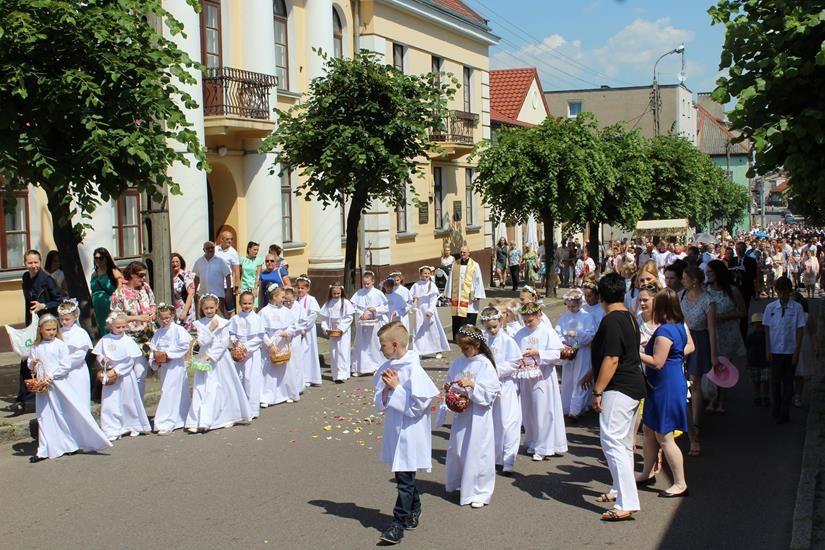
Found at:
(574, 108)
(281, 44)
(337, 35)
(398, 57)
(127, 225)
(469, 199)
(467, 87)
(15, 240)
(437, 67)
(438, 197)
(286, 207)
(342, 208)
(401, 215)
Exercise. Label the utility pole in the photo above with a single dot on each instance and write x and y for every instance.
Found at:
(680, 49)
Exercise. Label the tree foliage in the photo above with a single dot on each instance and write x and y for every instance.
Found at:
(774, 55)
(91, 102)
(359, 135)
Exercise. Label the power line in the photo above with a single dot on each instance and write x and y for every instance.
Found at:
(542, 62)
(553, 52)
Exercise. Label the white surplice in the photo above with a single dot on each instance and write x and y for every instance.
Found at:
(541, 410)
(121, 408)
(338, 313)
(286, 380)
(248, 330)
(368, 356)
(64, 418)
(507, 408)
(574, 399)
(471, 453)
(404, 313)
(407, 439)
(306, 328)
(218, 397)
(478, 291)
(429, 337)
(175, 396)
(79, 344)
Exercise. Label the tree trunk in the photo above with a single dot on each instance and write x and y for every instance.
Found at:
(353, 222)
(593, 243)
(67, 241)
(549, 254)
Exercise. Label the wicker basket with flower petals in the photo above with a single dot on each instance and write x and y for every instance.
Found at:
(279, 356)
(106, 376)
(160, 357)
(455, 401)
(335, 332)
(238, 353)
(37, 385)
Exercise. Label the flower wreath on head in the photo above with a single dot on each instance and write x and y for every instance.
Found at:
(68, 305)
(493, 317)
(303, 278)
(468, 331)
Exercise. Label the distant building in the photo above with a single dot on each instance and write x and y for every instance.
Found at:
(716, 139)
(633, 106)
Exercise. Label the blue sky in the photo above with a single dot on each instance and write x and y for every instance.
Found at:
(587, 43)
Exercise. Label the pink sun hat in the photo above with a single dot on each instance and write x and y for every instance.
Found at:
(725, 377)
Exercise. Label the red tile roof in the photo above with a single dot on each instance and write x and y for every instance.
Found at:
(460, 8)
(495, 116)
(508, 91)
(780, 188)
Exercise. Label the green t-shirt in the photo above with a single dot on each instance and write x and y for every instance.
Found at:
(249, 267)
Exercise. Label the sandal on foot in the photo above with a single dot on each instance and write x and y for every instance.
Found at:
(617, 515)
(605, 497)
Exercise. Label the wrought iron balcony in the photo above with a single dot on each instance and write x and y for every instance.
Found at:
(229, 92)
(459, 129)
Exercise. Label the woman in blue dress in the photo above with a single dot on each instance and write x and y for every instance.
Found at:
(665, 409)
(271, 273)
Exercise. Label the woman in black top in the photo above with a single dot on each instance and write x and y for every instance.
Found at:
(618, 385)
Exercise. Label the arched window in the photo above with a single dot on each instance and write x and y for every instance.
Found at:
(337, 35)
(281, 45)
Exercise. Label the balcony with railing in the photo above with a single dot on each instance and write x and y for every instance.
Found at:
(237, 101)
(456, 138)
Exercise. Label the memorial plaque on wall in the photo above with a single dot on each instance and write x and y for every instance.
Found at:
(423, 214)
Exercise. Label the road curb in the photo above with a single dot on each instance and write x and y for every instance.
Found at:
(811, 475)
(19, 431)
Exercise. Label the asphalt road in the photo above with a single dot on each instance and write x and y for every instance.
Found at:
(307, 475)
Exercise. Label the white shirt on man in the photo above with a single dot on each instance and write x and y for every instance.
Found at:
(230, 256)
(783, 321)
(212, 274)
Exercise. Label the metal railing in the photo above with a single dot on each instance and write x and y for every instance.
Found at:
(459, 128)
(235, 92)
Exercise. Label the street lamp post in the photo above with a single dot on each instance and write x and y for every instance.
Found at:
(680, 49)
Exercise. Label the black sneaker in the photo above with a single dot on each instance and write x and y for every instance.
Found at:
(412, 521)
(393, 534)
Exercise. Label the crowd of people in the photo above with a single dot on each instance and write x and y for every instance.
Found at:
(640, 344)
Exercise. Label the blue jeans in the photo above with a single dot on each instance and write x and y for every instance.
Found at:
(408, 501)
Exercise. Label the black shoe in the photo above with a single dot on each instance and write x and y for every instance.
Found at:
(393, 534)
(412, 521)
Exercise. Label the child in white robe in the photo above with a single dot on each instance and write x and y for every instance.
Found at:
(576, 329)
(336, 315)
(429, 337)
(370, 307)
(168, 348)
(406, 296)
(542, 415)
(471, 453)
(592, 304)
(529, 295)
(397, 307)
(64, 418)
(306, 328)
(121, 408)
(512, 319)
(282, 382)
(298, 344)
(507, 408)
(218, 397)
(403, 392)
(246, 332)
(79, 344)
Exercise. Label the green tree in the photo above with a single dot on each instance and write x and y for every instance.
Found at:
(729, 201)
(359, 137)
(551, 171)
(622, 197)
(90, 107)
(774, 56)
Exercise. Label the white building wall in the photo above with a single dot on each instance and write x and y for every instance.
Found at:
(532, 110)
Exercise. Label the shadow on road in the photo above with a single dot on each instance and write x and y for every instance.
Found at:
(367, 517)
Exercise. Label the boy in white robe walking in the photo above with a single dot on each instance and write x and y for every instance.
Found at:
(370, 306)
(406, 296)
(544, 430)
(403, 391)
(336, 320)
(64, 419)
(121, 407)
(168, 347)
(576, 329)
(429, 337)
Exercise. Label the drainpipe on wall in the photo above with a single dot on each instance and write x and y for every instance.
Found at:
(362, 231)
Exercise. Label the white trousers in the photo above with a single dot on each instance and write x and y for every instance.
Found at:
(141, 370)
(616, 436)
